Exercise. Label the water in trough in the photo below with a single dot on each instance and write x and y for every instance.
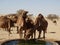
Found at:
(27, 42)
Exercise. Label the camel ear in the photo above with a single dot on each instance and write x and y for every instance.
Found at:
(26, 12)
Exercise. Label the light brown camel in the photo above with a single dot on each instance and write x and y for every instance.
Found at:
(22, 14)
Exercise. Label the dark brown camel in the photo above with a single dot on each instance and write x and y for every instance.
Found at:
(29, 28)
(41, 25)
(5, 23)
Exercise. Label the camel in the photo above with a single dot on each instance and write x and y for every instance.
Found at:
(5, 23)
(41, 25)
(22, 14)
(29, 28)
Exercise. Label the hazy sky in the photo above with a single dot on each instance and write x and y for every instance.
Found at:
(33, 6)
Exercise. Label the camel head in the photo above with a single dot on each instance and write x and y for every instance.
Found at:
(40, 16)
(22, 13)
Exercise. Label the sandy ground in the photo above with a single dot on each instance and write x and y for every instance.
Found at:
(53, 30)
(53, 33)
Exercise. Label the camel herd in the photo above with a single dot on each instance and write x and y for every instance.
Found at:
(24, 23)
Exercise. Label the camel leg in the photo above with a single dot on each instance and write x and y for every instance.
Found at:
(44, 35)
(20, 34)
(17, 30)
(24, 33)
(9, 30)
(39, 35)
(9, 27)
(34, 34)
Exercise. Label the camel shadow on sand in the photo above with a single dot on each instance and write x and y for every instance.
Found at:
(52, 32)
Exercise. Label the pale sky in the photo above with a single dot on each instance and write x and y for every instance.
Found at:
(33, 6)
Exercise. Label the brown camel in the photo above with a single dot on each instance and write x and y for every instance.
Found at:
(13, 20)
(22, 14)
(5, 23)
(41, 25)
(8, 21)
(29, 28)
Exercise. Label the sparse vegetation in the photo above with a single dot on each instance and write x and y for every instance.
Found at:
(52, 16)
